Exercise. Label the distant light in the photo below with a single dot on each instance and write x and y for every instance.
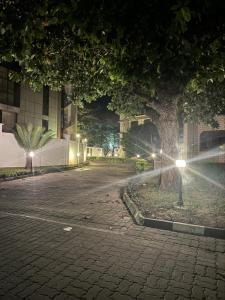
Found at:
(116, 155)
(181, 163)
(110, 154)
(160, 151)
(31, 154)
(77, 135)
(138, 155)
(78, 154)
(85, 140)
(153, 155)
(89, 154)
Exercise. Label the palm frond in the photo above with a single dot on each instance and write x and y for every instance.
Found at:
(31, 137)
(22, 137)
(36, 135)
(46, 137)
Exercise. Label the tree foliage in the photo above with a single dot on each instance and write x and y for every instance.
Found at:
(176, 48)
(141, 139)
(99, 126)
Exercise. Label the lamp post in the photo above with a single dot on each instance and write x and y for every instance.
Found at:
(84, 141)
(180, 164)
(153, 159)
(31, 155)
(160, 168)
(78, 148)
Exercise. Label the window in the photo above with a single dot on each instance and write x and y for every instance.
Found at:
(8, 120)
(211, 139)
(16, 94)
(45, 110)
(45, 124)
(9, 90)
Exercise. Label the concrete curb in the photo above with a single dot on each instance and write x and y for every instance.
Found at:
(170, 225)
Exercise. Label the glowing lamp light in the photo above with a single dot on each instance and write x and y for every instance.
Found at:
(31, 154)
(89, 154)
(153, 155)
(160, 151)
(116, 155)
(138, 155)
(181, 163)
(85, 140)
(77, 135)
(78, 154)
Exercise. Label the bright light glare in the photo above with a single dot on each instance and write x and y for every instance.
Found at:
(31, 154)
(138, 155)
(78, 154)
(160, 151)
(153, 155)
(89, 154)
(181, 163)
(85, 140)
(77, 135)
(116, 155)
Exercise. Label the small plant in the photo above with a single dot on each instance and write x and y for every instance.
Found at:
(143, 165)
(31, 138)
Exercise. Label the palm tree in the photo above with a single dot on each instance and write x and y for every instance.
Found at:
(31, 138)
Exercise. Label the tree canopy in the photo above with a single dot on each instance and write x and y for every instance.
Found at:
(141, 139)
(135, 51)
(158, 57)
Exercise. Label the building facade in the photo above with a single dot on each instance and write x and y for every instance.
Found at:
(46, 108)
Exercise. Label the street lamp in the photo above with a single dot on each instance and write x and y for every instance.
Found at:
(31, 154)
(180, 164)
(138, 155)
(84, 142)
(153, 159)
(160, 175)
(78, 148)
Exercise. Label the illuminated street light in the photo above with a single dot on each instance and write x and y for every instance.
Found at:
(180, 164)
(153, 155)
(78, 148)
(160, 151)
(138, 155)
(31, 154)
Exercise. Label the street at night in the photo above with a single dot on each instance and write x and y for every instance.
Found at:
(102, 254)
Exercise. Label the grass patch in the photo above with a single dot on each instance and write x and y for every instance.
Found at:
(140, 165)
(17, 172)
(204, 202)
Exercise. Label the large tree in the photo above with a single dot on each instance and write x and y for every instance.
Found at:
(161, 57)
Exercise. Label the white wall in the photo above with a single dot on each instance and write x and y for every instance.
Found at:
(56, 152)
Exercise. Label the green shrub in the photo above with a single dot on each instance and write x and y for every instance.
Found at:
(142, 165)
(110, 159)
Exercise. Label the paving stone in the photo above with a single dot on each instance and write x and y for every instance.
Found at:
(39, 260)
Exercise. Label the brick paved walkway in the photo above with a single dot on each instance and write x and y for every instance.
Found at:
(104, 256)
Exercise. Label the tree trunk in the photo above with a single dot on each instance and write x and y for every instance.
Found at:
(28, 162)
(168, 132)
